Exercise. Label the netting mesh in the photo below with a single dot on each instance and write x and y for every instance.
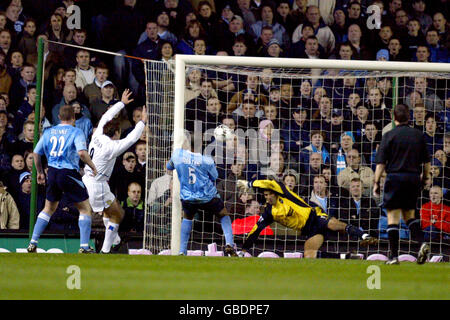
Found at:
(316, 131)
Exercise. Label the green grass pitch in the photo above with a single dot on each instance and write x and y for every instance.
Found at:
(44, 276)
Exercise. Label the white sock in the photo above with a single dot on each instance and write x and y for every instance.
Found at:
(117, 238)
(110, 235)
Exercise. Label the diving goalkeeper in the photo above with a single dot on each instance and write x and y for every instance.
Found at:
(288, 209)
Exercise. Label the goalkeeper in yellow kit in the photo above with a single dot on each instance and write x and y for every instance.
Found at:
(290, 210)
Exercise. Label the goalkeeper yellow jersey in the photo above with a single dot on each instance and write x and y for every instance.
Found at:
(290, 210)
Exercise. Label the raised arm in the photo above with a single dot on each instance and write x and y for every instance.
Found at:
(115, 109)
(120, 146)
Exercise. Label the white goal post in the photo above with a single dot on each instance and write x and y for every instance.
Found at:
(182, 61)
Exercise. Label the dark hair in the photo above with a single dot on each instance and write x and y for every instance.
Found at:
(401, 113)
(111, 127)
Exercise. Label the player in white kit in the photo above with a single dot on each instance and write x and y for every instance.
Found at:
(104, 148)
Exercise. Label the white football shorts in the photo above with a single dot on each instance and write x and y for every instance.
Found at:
(100, 195)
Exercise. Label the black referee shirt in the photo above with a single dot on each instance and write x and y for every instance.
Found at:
(403, 150)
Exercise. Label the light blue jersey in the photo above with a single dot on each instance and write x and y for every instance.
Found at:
(196, 173)
(60, 144)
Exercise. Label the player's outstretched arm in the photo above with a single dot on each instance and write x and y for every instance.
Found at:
(126, 96)
(120, 146)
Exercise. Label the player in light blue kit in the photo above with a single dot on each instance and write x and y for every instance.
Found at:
(197, 174)
(63, 145)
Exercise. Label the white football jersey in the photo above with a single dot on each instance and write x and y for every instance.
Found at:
(104, 150)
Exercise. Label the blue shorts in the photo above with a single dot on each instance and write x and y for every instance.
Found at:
(213, 206)
(67, 182)
(316, 224)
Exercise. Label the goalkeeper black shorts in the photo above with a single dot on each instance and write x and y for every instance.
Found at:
(316, 224)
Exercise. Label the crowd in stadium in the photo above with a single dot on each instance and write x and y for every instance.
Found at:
(329, 128)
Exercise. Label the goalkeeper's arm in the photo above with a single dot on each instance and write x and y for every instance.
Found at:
(265, 220)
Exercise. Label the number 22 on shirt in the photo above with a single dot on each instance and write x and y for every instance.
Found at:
(57, 146)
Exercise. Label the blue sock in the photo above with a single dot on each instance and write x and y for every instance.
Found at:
(41, 223)
(186, 228)
(227, 230)
(84, 222)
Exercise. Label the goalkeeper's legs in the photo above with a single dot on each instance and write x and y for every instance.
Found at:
(114, 214)
(312, 245)
(337, 225)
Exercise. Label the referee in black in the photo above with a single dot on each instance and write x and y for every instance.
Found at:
(401, 154)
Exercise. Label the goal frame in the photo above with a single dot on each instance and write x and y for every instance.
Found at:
(181, 61)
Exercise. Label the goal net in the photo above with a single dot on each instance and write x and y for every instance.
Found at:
(313, 125)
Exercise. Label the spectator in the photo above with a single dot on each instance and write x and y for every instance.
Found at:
(227, 187)
(133, 206)
(277, 168)
(69, 95)
(323, 32)
(5, 78)
(92, 91)
(419, 7)
(423, 54)
(166, 51)
(321, 119)
(395, 50)
(85, 73)
(136, 117)
(361, 50)
(339, 158)
(140, 149)
(440, 24)
(23, 200)
(317, 139)
(355, 14)
(7, 140)
(19, 87)
(284, 17)
(321, 197)
(340, 25)
(15, 62)
(307, 175)
(401, 23)
(432, 102)
(26, 139)
(268, 19)
(419, 114)
(25, 108)
(295, 131)
(336, 128)
(438, 53)
(243, 10)
(6, 41)
(9, 214)
(248, 119)
(124, 173)
(70, 53)
(370, 143)
(432, 137)
(297, 49)
(274, 49)
(382, 39)
(412, 38)
(298, 14)
(82, 121)
(435, 216)
(163, 23)
(359, 210)
(99, 105)
(192, 31)
(200, 47)
(252, 92)
(10, 176)
(57, 32)
(353, 170)
(377, 108)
